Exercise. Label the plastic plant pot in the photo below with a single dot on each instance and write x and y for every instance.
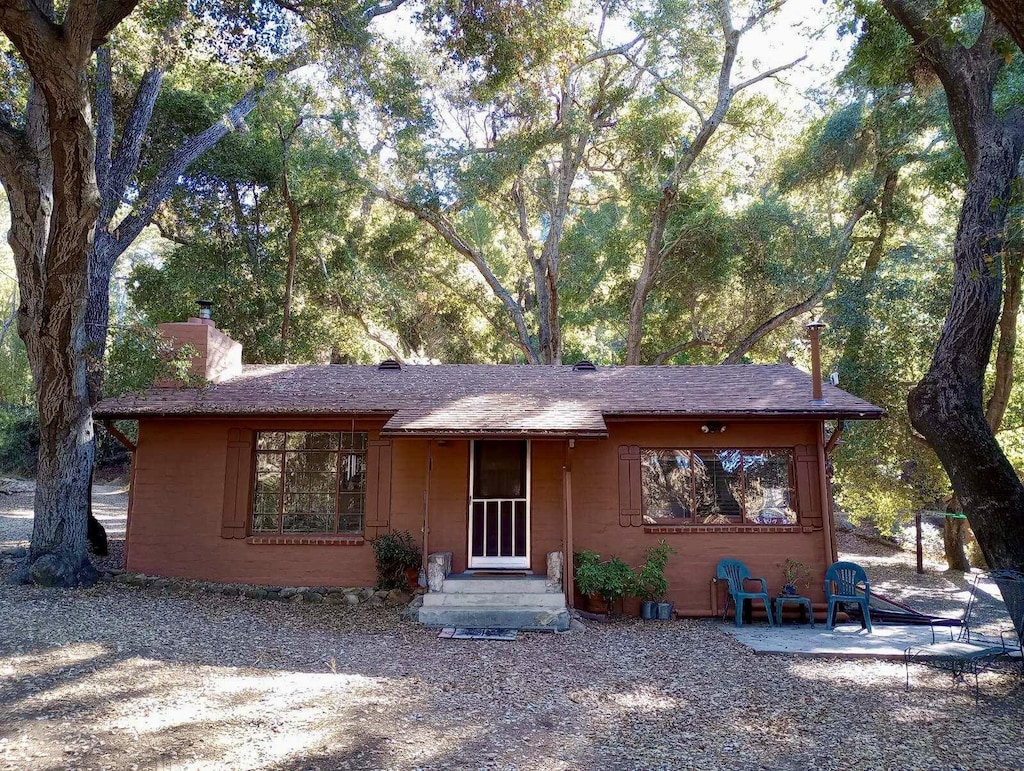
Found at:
(665, 611)
(648, 610)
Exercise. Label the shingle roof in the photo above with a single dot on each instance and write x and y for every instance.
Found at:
(470, 398)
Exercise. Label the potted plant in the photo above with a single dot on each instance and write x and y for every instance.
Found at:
(602, 582)
(398, 560)
(589, 578)
(794, 573)
(650, 583)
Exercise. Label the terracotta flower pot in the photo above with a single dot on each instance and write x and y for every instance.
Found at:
(595, 604)
(413, 576)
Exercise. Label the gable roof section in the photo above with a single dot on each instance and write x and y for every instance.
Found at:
(430, 400)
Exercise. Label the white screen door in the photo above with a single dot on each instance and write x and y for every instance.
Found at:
(499, 504)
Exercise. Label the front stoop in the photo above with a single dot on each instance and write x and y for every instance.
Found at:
(499, 602)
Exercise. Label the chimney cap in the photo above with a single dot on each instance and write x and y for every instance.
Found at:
(817, 324)
(389, 364)
(584, 365)
(205, 307)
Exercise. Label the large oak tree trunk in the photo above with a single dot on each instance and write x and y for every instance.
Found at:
(54, 201)
(946, 406)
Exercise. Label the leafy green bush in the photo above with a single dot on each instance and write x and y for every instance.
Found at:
(140, 356)
(19, 440)
(395, 552)
(649, 582)
(611, 580)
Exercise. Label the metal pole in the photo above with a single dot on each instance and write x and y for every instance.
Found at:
(920, 547)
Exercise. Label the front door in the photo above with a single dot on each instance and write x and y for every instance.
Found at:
(499, 504)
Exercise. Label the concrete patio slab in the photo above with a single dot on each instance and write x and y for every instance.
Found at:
(847, 641)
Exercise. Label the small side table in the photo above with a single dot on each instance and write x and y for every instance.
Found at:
(803, 602)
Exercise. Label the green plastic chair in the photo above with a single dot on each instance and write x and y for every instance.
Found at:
(737, 574)
(841, 586)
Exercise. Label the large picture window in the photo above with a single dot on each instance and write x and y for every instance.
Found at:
(708, 487)
(309, 482)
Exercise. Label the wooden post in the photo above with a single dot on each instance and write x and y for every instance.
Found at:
(920, 547)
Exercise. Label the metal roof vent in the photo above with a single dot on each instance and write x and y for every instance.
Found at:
(584, 365)
(389, 364)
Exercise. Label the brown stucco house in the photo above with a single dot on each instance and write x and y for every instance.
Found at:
(280, 475)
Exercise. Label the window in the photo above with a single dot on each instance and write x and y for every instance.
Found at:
(309, 482)
(708, 487)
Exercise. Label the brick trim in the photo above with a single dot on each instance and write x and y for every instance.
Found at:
(675, 529)
(306, 540)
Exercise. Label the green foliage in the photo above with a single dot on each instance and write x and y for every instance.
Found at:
(395, 552)
(649, 582)
(611, 580)
(19, 440)
(795, 573)
(140, 356)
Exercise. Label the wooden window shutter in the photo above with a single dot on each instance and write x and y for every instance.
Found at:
(378, 483)
(237, 484)
(630, 506)
(808, 487)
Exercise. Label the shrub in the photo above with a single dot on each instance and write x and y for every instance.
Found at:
(650, 583)
(395, 552)
(19, 440)
(610, 580)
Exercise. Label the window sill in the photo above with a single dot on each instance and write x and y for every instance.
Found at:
(674, 529)
(305, 540)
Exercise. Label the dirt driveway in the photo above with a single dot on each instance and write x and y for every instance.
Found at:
(120, 677)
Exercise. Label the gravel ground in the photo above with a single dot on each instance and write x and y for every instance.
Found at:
(120, 677)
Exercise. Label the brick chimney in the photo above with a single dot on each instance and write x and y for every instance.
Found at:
(219, 357)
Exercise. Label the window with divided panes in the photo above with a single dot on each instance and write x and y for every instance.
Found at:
(727, 486)
(310, 482)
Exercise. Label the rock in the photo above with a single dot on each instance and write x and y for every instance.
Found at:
(255, 592)
(365, 593)
(375, 602)
(351, 599)
(556, 564)
(273, 594)
(577, 626)
(288, 591)
(161, 583)
(382, 593)
(439, 565)
(845, 526)
(18, 552)
(312, 597)
(229, 591)
(398, 597)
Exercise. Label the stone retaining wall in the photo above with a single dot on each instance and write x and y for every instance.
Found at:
(340, 595)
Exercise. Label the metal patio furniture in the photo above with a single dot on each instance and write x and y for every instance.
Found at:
(737, 574)
(843, 585)
(971, 653)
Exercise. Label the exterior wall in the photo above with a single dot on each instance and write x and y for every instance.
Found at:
(596, 521)
(177, 504)
(179, 496)
(177, 510)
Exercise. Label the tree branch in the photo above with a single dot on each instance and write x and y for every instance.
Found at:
(446, 229)
(767, 74)
(675, 350)
(104, 122)
(192, 148)
(842, 251)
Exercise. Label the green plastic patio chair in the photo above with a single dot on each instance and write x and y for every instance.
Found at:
(842, 585)
(737, 574)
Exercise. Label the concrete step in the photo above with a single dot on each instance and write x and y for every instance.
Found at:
(551, 600)
(525, 618)
(476, 584)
